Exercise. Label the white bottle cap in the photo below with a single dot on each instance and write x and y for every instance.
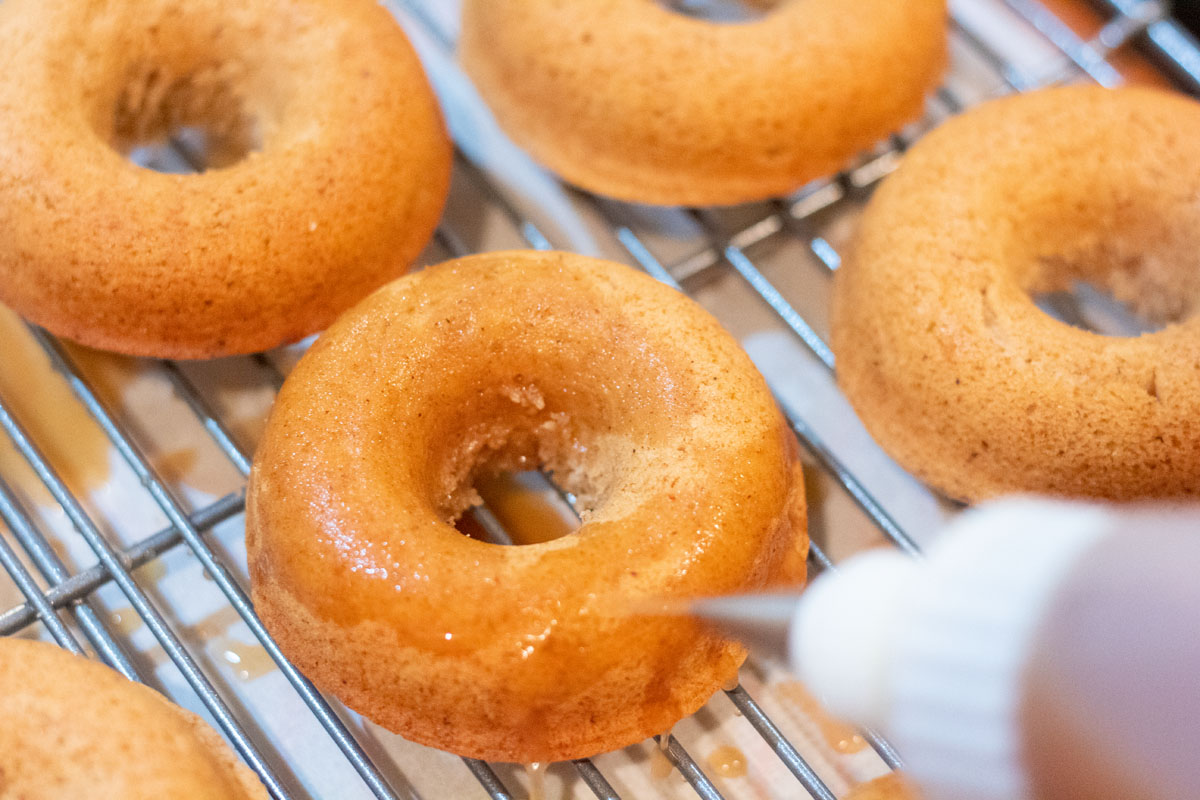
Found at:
(842, 637)
(931, 652)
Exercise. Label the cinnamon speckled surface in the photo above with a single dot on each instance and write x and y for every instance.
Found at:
(629, 99)
(73, 728)
(940, 347)
(638, 402)
(346, 175)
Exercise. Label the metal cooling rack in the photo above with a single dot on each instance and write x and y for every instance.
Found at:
(65, 603)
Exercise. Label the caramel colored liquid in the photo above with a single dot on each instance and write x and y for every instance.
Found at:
(67, 435)
(660, 766)
(528, 514)
(124, 621)
(840, 736)
(728, 762)
(177, 466)
(41, 401)
(152, 571)
(215, 625)
(247, 661)
(537, 780)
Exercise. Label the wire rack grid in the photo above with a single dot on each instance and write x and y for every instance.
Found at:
(716, 249)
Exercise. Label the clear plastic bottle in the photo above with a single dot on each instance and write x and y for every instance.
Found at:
(1042, 650)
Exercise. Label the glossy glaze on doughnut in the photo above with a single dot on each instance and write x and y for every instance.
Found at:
(346, 175)
(636, 400)
(73, 728)
(940, 347)
(630, 99)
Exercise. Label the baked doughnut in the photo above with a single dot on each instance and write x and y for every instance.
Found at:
(345, 168)
(639, 403)
(74, 728)
(888, 787)
(630, 99)
(940, 347)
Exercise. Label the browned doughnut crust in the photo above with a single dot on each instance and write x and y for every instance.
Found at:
(344, 191)
(939, 345)
(640, 403)
(630, 99)
(73, 728)
(889, 787)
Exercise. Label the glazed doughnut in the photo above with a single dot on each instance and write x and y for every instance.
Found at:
(345, 168)
(630, 99)
(74, 728)
(940, 347)
(636, 400)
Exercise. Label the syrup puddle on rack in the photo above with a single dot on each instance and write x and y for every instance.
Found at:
(124, 621)
(152, 571)
(728, 762)
(246, 661)
(839, 736)
(43, 403)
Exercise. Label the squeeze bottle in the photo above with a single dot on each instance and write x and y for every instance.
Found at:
(1041, 649)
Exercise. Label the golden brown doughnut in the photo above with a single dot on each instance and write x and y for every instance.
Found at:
(939, 345)
(348, 169)
(640, 404)
(73, 728)
(630, 99)
(888, 787)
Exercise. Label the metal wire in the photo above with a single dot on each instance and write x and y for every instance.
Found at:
(82, 584)
(28, 587)
(55, 572)
(783, 748)
(688, 768)
(1137, 22)
(155, 620)
(124, 444)
(188, 392)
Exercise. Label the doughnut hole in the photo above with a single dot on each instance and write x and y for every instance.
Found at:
(185, 91)
(502, 425)
(722, 11)
(528, 507)
(1089, 307)
(512, 456)
(189, 123)
(1120, 241)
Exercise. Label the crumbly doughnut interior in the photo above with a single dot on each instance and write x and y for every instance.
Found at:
(528, 436)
